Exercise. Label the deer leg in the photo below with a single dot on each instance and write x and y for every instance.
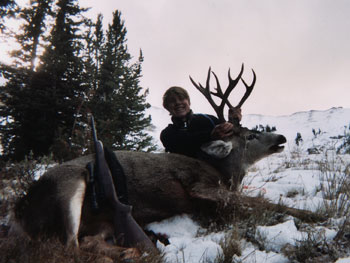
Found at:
(260, 203)
(74, 214)
(221, 197)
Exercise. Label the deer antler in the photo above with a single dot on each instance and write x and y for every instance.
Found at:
(219, 109)
(248, 90)
(207, 94)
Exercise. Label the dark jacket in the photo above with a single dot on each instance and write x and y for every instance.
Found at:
(186, 137)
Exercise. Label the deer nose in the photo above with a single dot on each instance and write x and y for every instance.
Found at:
(281, 139)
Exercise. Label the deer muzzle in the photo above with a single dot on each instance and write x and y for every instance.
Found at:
(277, 148)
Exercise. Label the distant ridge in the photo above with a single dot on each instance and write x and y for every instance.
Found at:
(331, 122)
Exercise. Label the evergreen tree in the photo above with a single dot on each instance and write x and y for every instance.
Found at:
(117, 105)
(98, 42)
(42, 104)
(13, 109)
(63, 66)
(45, 107)
(7, 9)
(16, 94)
(91, 57)
(32, 30)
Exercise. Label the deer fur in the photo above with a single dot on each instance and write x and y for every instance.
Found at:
(160, 185)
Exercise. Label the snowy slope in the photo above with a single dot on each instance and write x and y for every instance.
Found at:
(293, 177)
(331, 123)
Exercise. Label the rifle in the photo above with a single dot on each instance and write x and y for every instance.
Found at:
(128, 233)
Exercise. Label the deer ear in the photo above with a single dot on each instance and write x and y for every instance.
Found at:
(218, 149)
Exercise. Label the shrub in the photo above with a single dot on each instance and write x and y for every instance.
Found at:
(345, 146)
(316, 133)
(16, 179)
(313, 248)
(262, 128)
(298, 139)
(335, 189)
(230, 245)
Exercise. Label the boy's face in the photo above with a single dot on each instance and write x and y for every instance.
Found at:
(179, 107)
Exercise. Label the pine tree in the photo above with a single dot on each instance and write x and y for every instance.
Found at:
(91, 57)
(98, 42)
(32, 30)
(16, 93)
(13, 109)
(45, 103)
(7, 9)
(117, 105)
(42, 104)
(63, 66)
(133, 113)
(92, 54)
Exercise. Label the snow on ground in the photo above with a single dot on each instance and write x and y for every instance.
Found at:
(294, 177)
(185, 245)
(343, 260)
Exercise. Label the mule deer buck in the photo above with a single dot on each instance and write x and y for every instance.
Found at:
(160, 185)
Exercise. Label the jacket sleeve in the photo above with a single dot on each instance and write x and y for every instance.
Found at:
(185, 142)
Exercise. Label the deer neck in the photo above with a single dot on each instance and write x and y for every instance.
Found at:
(231, 168)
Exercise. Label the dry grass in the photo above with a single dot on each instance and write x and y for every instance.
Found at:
(313, 249)
(15, 250)
(230, 245)
(16, 179)
(18, 250)
(335, 188)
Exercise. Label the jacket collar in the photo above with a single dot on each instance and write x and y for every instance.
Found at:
(183, 124)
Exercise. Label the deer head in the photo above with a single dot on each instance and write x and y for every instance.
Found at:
(223, 95)
(233, 156)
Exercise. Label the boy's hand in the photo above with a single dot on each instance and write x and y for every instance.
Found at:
(222, 131)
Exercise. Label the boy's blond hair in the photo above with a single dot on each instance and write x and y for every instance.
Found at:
(174, 92)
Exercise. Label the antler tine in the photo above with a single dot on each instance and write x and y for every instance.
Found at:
(220, 94)
(207, 94)
(231, 86)
(199, 86)
(207, 85)
(233, 83)
(248, 90)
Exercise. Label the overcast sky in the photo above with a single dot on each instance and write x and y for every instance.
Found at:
(299, 49)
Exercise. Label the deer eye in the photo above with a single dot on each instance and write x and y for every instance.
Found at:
(252, 137)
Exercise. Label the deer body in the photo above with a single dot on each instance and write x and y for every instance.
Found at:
(160, 185)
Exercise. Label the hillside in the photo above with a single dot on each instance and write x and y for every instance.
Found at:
(330, 122)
